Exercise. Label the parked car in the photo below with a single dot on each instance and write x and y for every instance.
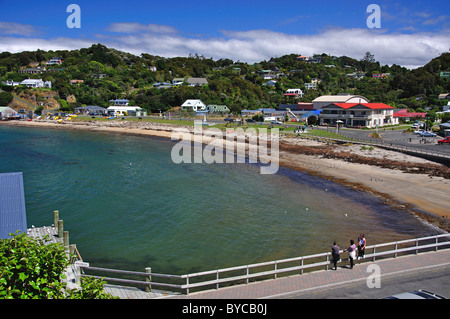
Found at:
(418, 131)
(276, 122)
(427, 133)
(444, 141)
(228, 119)
(250, 121)
(418, 294)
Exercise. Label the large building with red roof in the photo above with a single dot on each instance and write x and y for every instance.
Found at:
(369, 115)
(406, 116)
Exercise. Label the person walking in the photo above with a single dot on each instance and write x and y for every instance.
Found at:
(335, 254)
(361, 246)
(351, 252)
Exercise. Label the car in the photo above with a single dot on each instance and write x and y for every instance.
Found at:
(228, 119)
(418, 294)
(427, 133)
(250, 121)
(444, 141)
(418, 131)
(276, 122)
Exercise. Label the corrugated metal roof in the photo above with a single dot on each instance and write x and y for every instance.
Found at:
(12, 204)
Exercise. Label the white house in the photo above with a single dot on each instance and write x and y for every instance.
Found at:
(120, 107)
(36, 83)
(55, 60)
(294, 92)
(126, 111)
(194, 105)
(358, 114)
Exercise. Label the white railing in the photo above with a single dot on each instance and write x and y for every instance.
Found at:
(271, 269)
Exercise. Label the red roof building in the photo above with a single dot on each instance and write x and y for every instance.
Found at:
(407, 116)
(358, 114)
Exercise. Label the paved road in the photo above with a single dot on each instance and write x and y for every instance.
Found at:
(347, 283)
(432, 279)
(397, 137)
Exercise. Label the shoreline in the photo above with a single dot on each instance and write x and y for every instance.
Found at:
(418, 193)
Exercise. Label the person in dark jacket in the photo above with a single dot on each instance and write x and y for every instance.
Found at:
(335, 255)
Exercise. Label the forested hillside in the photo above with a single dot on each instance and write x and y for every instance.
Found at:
(109, 74)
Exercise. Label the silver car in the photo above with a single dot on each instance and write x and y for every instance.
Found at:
(418, 294)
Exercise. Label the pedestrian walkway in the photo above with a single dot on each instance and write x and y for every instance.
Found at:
(284, 287)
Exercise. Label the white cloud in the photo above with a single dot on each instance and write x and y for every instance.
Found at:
(132, 27)
(409, 50)
(12, 28)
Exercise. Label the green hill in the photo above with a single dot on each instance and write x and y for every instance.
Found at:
(109, 74)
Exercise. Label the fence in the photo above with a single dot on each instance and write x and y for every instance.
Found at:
(260, 271)
(390, 145)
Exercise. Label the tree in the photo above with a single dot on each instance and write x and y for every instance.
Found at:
(32, 269)
(368, 60)
(5, 98)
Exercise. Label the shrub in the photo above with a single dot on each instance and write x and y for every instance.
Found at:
(33, 269)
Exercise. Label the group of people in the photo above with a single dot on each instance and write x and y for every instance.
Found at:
(335, 251)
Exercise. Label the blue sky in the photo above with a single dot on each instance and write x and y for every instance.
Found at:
(411, 33)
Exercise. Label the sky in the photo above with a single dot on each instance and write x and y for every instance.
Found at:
(410, 33)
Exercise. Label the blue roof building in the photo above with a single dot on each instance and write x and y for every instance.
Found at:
(12, 204)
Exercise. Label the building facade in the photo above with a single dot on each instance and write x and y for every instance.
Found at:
(369, 115)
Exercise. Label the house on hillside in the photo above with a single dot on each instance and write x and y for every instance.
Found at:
(369, 115)
(196, 81)
(36, 70)
(325, 100)
(218, 109)
(297, 93)
(381, 75)
(302, 58)
(54, 61)
(194, 106)
(36, 83)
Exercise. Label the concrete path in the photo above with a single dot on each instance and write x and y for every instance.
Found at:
(362, 272)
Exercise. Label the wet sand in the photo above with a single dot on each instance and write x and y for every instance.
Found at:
(411, 183)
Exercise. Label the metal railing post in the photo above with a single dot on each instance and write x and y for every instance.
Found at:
(217, 279)
(275, 270)
(301, 264)
(148, 278)
(395, 254)
(374, 250)
(187, 284)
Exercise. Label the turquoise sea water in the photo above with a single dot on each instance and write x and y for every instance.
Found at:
(127, 206)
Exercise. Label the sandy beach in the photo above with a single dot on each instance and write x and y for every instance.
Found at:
(406, 182)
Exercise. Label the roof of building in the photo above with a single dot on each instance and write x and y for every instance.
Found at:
(4, 108)
(405, 113)
(90, 107)
(372, 106)
(340, 98)
(192, 102)
(12, 204)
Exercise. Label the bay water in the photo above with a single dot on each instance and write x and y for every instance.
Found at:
(126, 205)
